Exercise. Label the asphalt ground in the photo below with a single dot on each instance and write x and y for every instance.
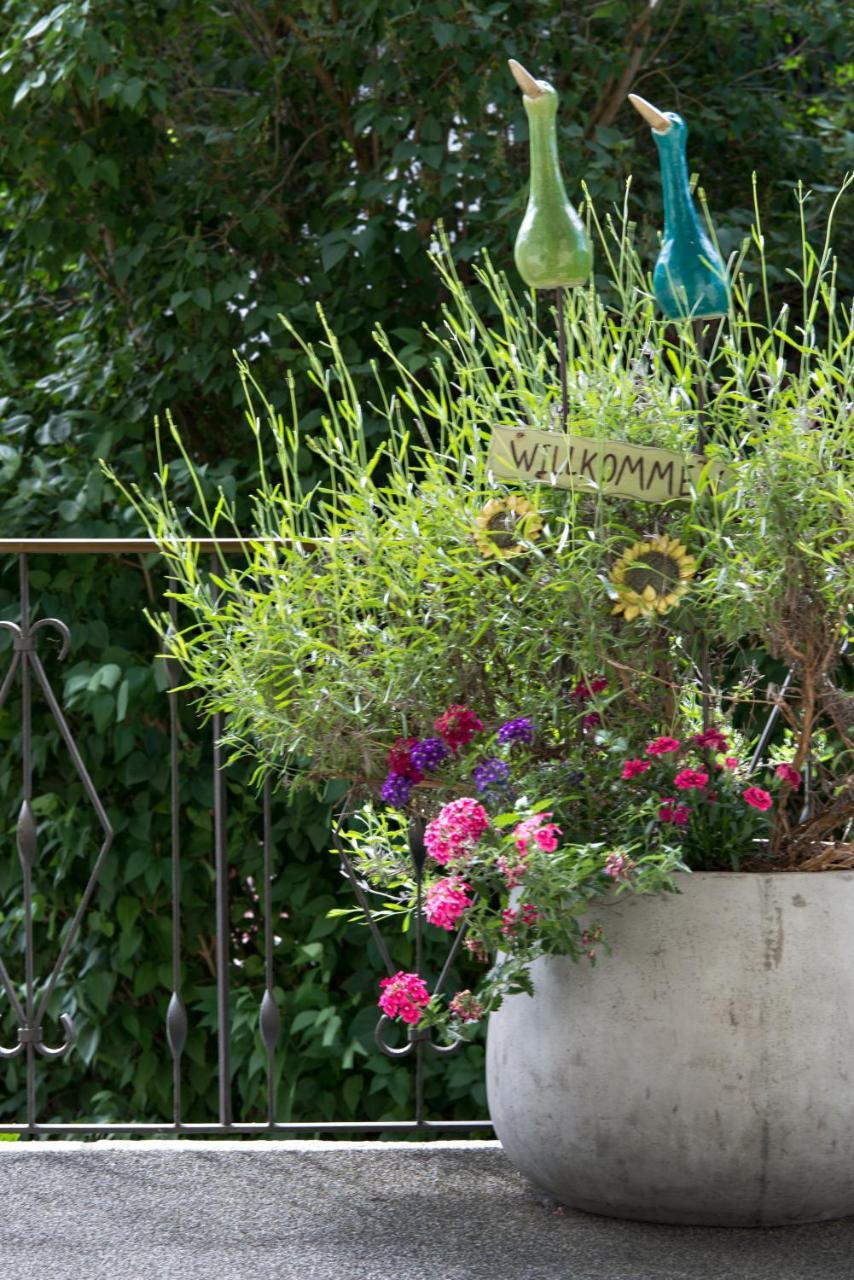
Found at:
(159, 1210)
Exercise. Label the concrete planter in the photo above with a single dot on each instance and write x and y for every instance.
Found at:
(703, 1072)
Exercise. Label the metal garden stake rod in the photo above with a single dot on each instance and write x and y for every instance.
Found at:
(689, 280)
(553, 250)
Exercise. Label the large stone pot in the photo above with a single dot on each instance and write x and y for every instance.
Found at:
(701, 1073)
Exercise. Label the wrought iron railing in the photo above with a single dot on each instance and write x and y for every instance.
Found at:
(29, 998)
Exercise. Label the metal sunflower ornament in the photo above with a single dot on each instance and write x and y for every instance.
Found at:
(506, 525)
(651, 577)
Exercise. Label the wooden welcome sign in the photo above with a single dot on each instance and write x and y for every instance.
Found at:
(613, 467)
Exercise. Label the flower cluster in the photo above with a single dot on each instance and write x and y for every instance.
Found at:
(698, 792)
(523, 917)
(530, 833)
(618, 866)
(404, 996)
(466, 1007)
(519, 730)
(446, 901)
(515, 890)
(458, 725)
(452, 835)
(584, 690)
(410, 760)
(492, 772)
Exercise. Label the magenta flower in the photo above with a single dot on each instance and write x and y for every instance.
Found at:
(713, 739)
(671, 811)
(591, 721)
(584, 691)
(663, 746)
(789, 774)
(400, 760)
(404, 996)
(457, 829)
(757, 798)
(690, 779)
(446, 901)
(631, 769)
(731, 762)
(466, 1007)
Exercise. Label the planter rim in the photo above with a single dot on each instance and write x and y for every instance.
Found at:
(831, 872)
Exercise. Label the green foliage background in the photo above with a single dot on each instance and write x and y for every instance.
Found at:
(174, 174)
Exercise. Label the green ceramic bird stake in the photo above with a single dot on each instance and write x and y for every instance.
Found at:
(553, 250)
(552, 247)
(689, 279)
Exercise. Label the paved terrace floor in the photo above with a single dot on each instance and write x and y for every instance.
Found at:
(349, 1211)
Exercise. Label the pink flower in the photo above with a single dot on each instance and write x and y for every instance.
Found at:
(592, 721)
(631, 769)
(466, 1007)
(671, 811)
(404, 996)
(513, 872)
(618, 866)
(526, 917)
(456, 830)
(547, 837)
(538, 829)
(476, 948)
(757, 798)
(690, 779)
(731, 762)
(447, 900)
(663, 746)
(712, 738)
(458, 725)
(789, 774)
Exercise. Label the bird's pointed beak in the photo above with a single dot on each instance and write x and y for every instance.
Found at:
(524, 79)
(654, 118)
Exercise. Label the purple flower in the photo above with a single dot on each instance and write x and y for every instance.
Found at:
(428, 754)
(396, 789)
(519, 730)
(492, 772)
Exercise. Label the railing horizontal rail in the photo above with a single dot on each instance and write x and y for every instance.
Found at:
(303, 1127)
(116, 546)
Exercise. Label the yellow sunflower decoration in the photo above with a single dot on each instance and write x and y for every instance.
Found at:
(503, 522)
(651, 577)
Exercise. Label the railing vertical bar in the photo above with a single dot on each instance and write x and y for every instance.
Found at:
(176, 1016)
(223, 922)
(269, 1019)
(420, 1044)
(25, 848)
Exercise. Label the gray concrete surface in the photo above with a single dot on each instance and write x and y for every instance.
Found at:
(333, 1211)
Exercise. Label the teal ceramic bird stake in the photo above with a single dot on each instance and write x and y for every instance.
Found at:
(690, 279)
(553, 250)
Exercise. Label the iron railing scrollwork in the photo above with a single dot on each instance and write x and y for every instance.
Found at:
(30, 1000)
